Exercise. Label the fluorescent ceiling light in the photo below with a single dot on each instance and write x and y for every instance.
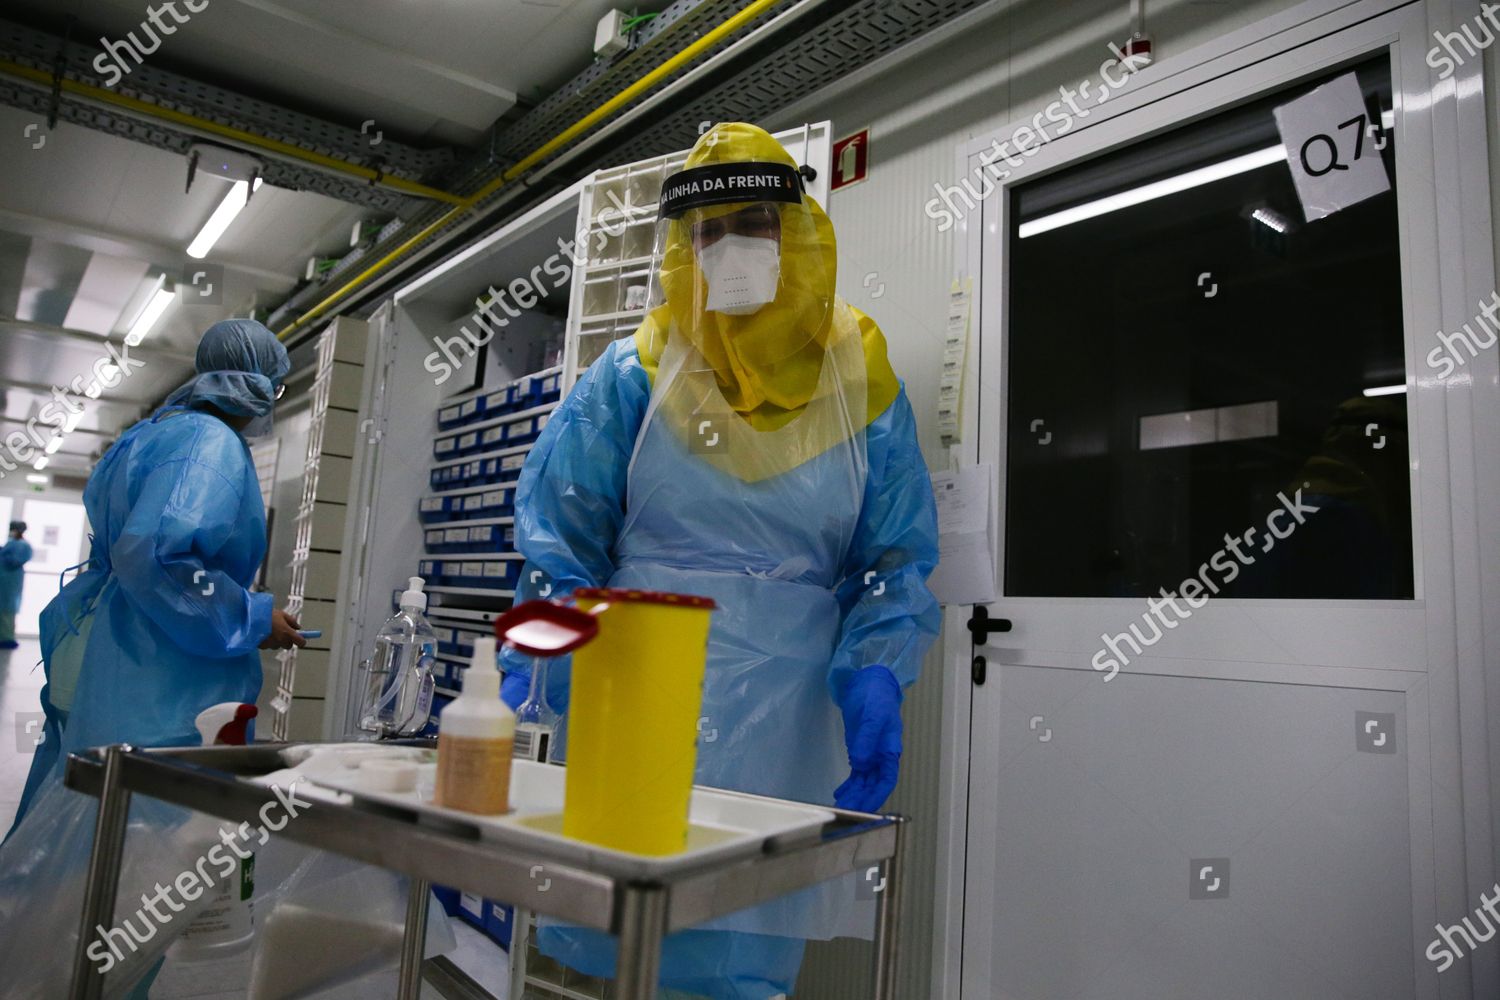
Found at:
(1386, 390)
(73, 420)
(34, 478)
(108, 371)
(1156, 189)
(233, 203)
(54, 444)
(161, 297)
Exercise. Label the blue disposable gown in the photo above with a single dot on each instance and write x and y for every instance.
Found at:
(787, 561)
(15, 554)
(161, 619)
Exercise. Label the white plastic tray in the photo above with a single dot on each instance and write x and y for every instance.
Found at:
(722, 826)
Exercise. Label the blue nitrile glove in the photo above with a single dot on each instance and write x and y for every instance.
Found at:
(871, 703)
(514, 689)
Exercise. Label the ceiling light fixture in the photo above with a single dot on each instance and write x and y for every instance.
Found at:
(32, 477)
(161, 297)
(1156, 189)
(234, 202)
(54, 444)
(1386, 390)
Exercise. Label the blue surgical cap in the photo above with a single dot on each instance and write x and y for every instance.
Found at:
(240, 363)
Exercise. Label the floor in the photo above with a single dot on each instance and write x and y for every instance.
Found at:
(20, 717)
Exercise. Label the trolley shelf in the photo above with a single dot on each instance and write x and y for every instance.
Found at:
(608, 893)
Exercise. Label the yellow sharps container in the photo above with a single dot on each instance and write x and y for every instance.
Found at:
(635, 697)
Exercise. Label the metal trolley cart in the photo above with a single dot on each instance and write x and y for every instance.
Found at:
(640, 902)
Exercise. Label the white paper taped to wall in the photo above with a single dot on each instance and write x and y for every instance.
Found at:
(966, 560)
(1333, 148)
(955, 346)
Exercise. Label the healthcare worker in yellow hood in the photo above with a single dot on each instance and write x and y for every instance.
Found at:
(751, 444)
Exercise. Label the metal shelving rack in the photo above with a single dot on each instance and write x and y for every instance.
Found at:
(341, 351)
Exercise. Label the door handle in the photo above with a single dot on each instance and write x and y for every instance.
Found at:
(981, 625)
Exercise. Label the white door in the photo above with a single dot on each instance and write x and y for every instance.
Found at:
(1218, 752)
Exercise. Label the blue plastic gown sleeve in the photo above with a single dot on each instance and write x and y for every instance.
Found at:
(185, 511)
(15, 554)
(570, 501)
(889, 615)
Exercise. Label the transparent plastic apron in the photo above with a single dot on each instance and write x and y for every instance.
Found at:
(769, 552)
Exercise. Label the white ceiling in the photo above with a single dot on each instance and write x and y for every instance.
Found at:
(89, 221)
(433, 70)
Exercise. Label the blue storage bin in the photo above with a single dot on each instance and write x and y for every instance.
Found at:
(456, 540)
(481, 538)
(492, 438)
(496, 575)
(498, 921)
(508, 468)
(523, 431)
(500, 502)
(526, 392)
(449, 416)
(447, 898)
(498, 402)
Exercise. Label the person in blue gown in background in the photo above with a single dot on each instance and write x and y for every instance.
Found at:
(13, 556)
(161, 623)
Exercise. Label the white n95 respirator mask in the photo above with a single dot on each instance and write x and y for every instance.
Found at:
(742, 273)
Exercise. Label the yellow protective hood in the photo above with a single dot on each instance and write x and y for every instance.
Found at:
(766, 364)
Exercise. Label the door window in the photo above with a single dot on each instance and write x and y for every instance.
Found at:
(1188, 355)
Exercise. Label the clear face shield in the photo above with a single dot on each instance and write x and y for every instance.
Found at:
(758, 368)
(744, 270)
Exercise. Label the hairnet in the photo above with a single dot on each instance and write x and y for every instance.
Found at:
(240, 363)
(18, 526)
